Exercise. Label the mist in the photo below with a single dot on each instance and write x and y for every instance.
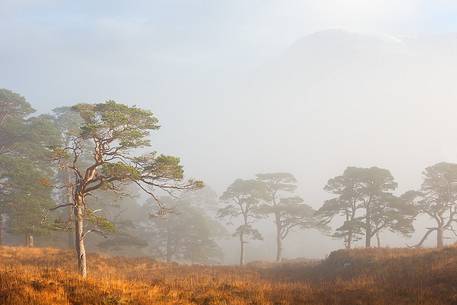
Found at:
(242, 88)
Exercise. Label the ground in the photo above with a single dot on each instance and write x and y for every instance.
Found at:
(346, 277)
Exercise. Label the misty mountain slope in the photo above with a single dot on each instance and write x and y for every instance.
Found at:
(336, 99)
(333, 99)
(348, 98)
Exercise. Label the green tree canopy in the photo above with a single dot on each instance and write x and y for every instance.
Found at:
(110, 136)
(28, 198)
(25, 190)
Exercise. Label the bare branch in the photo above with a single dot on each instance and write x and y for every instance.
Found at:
(61, 206)
(93, 231)
(423, 238)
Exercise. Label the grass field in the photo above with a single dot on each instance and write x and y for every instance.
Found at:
(372, 276)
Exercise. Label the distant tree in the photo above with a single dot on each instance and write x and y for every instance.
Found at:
(22, 135)
(68, 123)
(27, 200)
(437, 199)
(288, 209)
(205, 198)
(24, 168)
(347, 189)
(128, 235)
(394, 214)
(367, 204)
(186, 233)
(111, 133)
(242, 199)
(122, 241)
(13, 111)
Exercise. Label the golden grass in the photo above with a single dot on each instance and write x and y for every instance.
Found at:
(372, 276)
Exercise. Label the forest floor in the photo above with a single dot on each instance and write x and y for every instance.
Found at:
(346, 277)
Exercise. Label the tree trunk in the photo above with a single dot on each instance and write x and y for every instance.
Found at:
(439, 238)
(368, 233)
(349, 240)
(168, 254)
(79, 239)
(241, 249)
(348, 236)
(278, 238)
(70, 240)
(29, 240)
(278, 249)
(1, 229)
(378, 240)
(367, 241)
(69, 189)
(346, 243)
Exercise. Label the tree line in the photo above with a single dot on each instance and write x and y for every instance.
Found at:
(68, 172)
(362, 206)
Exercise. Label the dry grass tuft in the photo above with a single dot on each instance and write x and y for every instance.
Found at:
(361, 276)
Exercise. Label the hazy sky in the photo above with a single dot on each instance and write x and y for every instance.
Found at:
(56, 51)
(234, 98)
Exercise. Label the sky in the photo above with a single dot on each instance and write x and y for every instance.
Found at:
(156, 44)
(247, 86)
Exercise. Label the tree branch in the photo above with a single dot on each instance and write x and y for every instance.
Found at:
(424, 238)
(61, 206)
(93, 231)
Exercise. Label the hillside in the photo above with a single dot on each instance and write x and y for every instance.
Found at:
(374, 276)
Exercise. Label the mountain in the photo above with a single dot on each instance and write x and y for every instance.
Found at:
(334, 99)
(338, 98)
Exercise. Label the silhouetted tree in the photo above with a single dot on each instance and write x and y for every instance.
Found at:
(205, 198)
(394, 214)
(367, 204)
(242, 199)
(346, 203)
(437, 199)
(128, 235)
(288, 210)
(186, 233)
